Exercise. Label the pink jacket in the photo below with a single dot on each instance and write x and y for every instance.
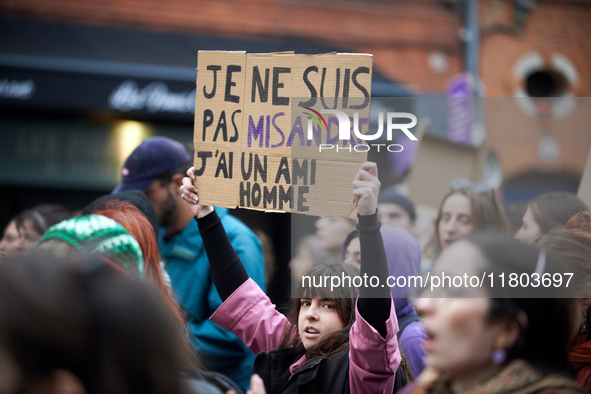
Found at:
(373, 360)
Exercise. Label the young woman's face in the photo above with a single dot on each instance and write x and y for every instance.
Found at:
(318, 318)
(353, 253)
(456, 219)
(331, 232)
(460, 337)
(29, 236)
(529, 230)
(10, 244)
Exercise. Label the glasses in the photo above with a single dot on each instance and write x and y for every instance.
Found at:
(479, 188)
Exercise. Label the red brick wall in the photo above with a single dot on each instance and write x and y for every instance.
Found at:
(400, 34)
(399, 37)
(550, 27)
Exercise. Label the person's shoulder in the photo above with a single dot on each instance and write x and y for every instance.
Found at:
(185, 245)
(413, 337)
(189, 234)
(414, 330)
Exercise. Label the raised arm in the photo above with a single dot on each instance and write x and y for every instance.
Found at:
(228, 272)
(373, 347)
(374, 303)
(248, 312)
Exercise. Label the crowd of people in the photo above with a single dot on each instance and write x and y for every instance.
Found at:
(148, 291)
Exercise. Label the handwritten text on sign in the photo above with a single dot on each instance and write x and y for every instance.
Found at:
(251, 145)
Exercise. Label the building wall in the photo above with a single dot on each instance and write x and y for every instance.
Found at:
(418, 44)
(401, 38)
(550, 28)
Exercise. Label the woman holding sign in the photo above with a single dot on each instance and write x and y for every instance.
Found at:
(336, 338)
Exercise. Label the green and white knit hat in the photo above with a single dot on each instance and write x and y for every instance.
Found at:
(96, 233)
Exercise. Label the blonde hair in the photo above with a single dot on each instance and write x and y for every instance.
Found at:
(486, 211)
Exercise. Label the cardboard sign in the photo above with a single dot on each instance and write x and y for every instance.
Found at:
(584, 192)
(254, 117)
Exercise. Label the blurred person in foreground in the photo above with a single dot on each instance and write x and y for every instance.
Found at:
(494, 339)
(85, 327)
(77, 240)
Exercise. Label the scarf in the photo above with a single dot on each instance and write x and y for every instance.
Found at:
(581, 355)
(518, 377)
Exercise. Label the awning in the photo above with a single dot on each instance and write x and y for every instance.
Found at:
(142, 75)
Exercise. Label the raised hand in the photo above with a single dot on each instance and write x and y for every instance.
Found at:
(366, 188)
(189, 194)
(256, 385)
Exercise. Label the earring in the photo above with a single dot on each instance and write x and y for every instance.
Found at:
(584, 325)
(498, 356)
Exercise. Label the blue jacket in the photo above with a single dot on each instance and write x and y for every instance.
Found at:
(188, 267)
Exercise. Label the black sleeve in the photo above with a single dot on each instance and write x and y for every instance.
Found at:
(374, 303)
(226, 268)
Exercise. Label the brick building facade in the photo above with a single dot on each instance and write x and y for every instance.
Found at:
(419, 44)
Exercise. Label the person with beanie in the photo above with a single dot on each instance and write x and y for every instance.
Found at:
(85, 235)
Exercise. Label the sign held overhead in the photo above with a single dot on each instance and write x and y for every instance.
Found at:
(256, 136)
